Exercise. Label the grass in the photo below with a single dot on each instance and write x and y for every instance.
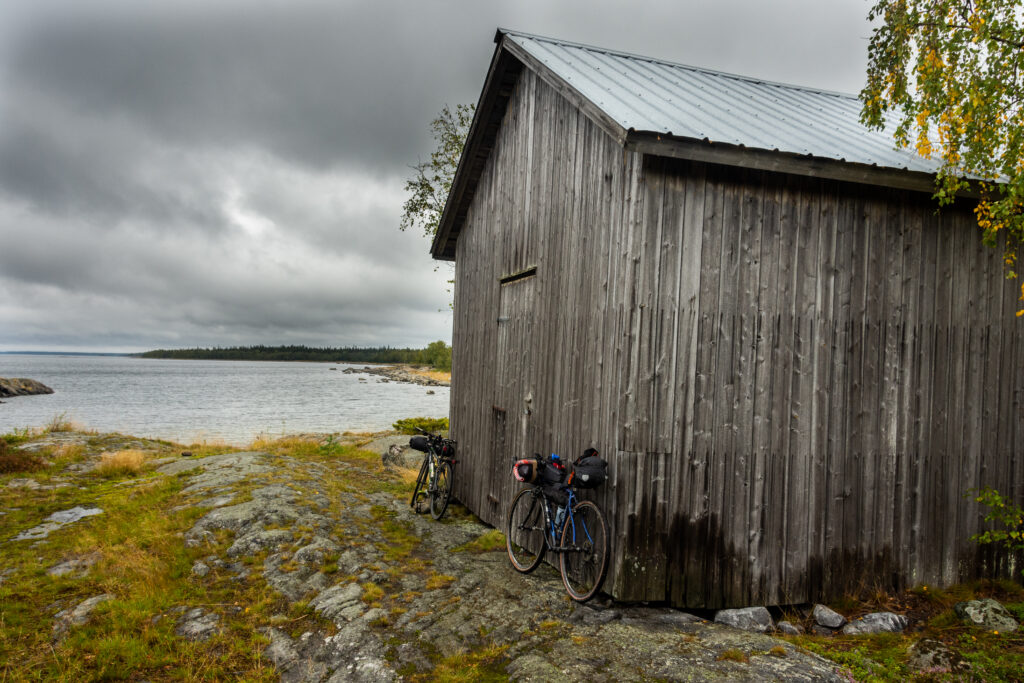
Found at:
(62, 423)
(141, 561)
(410, 425)
(438, 581)
(126, 463)
(484, 665)
(883, 657)
(484, 543)
(732, 655)
(144, 564)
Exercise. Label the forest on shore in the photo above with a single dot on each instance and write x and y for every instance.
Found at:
(437, 355)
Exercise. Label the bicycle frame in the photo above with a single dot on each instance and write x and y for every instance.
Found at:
(553, 535)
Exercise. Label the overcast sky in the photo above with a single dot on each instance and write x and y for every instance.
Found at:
(197, 173)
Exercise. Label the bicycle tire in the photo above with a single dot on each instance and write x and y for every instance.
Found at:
(441, 491)
(583, 559)
(524, 531)
(421, 481)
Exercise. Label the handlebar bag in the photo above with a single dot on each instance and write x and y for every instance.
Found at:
(589, 472)
(419, 443)
(526, 470)
(551, 474)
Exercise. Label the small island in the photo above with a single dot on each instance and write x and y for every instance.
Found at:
(19, 386)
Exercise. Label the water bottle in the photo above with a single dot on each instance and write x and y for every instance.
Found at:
(559, 517)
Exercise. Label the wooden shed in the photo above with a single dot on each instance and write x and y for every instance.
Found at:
(795, 365)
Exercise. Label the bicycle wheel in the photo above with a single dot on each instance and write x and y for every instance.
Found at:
(420, 491)
(441, 491)
(524, 534)
(584, 556)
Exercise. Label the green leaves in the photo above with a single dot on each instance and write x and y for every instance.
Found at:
(949, 74)
(432, 180)
(1007, 517)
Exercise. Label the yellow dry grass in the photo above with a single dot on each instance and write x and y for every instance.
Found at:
(69, 451)
(437, 375)
(127, 462)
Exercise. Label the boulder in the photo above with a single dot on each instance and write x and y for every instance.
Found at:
(197, 624)
(824, 616)
(77, 616)
(754, 619)
(934, 657)
(788, 629)
(988, 614)
(876, 622)
(19, 386)
(79, 565)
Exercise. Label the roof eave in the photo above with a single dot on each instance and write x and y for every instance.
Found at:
(490, 108)
(658, 144)
(506, 64)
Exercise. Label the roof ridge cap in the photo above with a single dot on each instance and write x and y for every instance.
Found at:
(656, 60)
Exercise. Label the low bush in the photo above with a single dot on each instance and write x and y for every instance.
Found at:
(12, 460)
(60, 423)
(121, 463)
(409, 425)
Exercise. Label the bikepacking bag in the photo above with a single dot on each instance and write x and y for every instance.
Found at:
(552, 473)
(589, 471)
(537, 470)
(419, 443)
(526, 470)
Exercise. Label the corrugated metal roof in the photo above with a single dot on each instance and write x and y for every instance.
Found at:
(650, 95)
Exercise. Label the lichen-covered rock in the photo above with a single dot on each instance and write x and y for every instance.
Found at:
(988, 614)
(789, 629)
(78, 565)
(24, 483)
(825, 616)
(756, 619)
(77, 615)
(197, 624)
(876, 622)
(339, 603)
(934, 657)
(56, 521)
(19, 386)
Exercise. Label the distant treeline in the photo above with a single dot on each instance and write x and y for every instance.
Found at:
(437, 354)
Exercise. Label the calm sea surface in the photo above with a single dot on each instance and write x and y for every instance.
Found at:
(188, 401)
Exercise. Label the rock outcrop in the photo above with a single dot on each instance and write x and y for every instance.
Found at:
(19, 386)
(396, 373)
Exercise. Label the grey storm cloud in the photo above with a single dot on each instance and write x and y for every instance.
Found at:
(197, 173)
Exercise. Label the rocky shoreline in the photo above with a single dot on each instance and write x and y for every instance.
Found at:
(323, 572)
(19, 386)
(397, 373)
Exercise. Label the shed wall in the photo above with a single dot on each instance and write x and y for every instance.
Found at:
(794, 380)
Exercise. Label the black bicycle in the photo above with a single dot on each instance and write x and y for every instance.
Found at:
(437, 473)
(580, 538)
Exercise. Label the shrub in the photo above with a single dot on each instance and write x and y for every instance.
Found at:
(18, 461)
(121, 463)
(59, 423)
(409, 425)
(1007, 516)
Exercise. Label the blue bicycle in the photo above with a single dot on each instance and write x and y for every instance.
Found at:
(580, 539)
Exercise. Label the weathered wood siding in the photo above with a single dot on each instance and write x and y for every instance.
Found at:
(794, 380)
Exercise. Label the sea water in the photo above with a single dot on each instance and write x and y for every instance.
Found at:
(191, 401)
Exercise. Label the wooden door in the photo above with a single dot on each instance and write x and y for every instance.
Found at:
(513, 396)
